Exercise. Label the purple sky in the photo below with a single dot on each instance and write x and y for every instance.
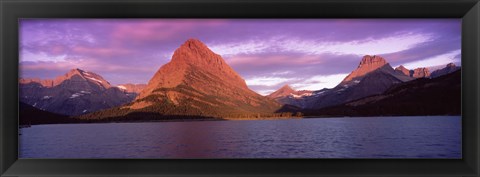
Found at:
(307, 54)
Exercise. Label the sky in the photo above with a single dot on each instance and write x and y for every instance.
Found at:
(307, 54)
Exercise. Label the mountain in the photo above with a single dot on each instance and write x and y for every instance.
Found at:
(437, 96)
(132, 88)
(420, 73)
(29, 115)
(373, 76)
(287, 95)
(367, 65)
(448, 69)
(74, 77)
(286, 90)
(196, 82)
(401, 69)
(415, 73)
(370, 64)
(77, 92)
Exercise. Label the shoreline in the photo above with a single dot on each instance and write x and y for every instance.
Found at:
(20, 126)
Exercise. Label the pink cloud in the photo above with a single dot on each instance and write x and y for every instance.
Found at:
(91, 65)
(48, 65)
(54, 48)
(154, 30)
(266, 60)
(103, 52)
(57, 50)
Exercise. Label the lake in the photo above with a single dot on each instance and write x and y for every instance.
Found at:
(372, 137)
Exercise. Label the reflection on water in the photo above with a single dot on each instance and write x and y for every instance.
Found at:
(380, 137)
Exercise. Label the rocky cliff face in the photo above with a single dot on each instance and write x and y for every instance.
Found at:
(401, 69)
(420, 73)
(415, 73)
(366, 65)
(77, 92)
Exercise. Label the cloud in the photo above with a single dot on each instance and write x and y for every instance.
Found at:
(367, 46)
(358, 47)
(267, 84)
(291, 64)
(266, 81)
(29, 56)
(147, 30)
(443, 59)
(101, 52)
(91, 65)
(245, 47)
(424, 51)
(151, 31)
(290, 59)
(282, 73)
(319, 82)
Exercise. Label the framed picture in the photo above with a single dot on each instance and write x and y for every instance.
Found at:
(239, 88)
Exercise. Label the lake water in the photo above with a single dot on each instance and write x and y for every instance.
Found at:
(375, 137)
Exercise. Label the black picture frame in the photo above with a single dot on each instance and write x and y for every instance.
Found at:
(12, 10)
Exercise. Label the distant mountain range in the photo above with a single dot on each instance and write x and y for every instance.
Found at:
(438, 96)
(197, 83)
(77, 92)
(373, 76)
(450, 68)
(287, 95)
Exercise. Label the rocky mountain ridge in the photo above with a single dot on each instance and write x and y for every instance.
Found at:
(74, 93)
(450, 68)
(415, 73)
(373, 76)
(424, 96)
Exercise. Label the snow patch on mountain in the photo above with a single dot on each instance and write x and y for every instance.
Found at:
(91, 78)
(75, 95)
(300, 95)
(81, 93)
